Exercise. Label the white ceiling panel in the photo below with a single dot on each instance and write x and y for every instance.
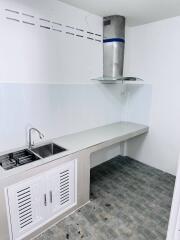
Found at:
(137, 12)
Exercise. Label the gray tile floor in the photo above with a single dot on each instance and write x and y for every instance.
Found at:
(129, 200)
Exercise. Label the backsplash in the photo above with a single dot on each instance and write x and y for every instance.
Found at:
(50, 53)
(58, 110)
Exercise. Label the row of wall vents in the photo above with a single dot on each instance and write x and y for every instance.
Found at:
(47, 24)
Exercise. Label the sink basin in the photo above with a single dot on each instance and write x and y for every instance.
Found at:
(48, 150)
(15, 159)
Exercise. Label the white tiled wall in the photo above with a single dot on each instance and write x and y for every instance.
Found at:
(56, 110)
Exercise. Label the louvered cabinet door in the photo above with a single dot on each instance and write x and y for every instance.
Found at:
(26, 205)
(62, 188)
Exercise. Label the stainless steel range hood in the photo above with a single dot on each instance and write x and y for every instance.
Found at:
(113, 50)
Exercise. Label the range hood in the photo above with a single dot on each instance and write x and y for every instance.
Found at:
(113, 50)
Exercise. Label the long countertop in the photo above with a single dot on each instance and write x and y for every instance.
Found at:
(92, 140)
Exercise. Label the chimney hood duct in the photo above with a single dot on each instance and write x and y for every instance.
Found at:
(113, 50)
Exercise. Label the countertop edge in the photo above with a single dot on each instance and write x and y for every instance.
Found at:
(124, 137)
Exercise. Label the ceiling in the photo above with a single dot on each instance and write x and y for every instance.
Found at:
(137, 12)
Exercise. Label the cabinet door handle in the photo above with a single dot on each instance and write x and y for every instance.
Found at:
(45, 200)
(51, 197)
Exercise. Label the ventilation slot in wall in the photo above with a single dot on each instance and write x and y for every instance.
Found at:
(53, 25)
(12, 15)
(46, 27)
(13, 19)
(29, 23)
(94, 36)
(98, 37)
(56, 26)
(45, 23)
(24, 207)
(64, 187)
(70, 33)
(79, 29)
(27, 15)
(70, 30)
(70, 27)
(57, 30)
(28, 19)
(90, 35)
(79, 32)
(56, 23)
(77, 35)
(11, 11)
(90, 38)
(44, 20)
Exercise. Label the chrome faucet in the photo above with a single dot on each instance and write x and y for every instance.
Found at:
(41, 136)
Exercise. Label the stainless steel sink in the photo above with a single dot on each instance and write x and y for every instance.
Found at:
(25, 156)
(48, 150)
(15, 159)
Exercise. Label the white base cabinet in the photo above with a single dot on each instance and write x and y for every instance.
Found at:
(35, 201)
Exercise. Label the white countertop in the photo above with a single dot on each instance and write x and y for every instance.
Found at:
(89, 139)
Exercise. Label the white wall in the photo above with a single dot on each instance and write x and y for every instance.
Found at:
(45, 75)
(32, 54)
(55, 109)
(137, 106)
(152, 53)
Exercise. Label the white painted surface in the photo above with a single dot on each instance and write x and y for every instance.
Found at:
(41, 57)
(152, 52)
(32, 54)
(136, 107)
(174, 221)
(138, 103)
(45, 76)
(59, 110)
(91, 140)
(56, 110)
(137, 11)
(100, 156)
